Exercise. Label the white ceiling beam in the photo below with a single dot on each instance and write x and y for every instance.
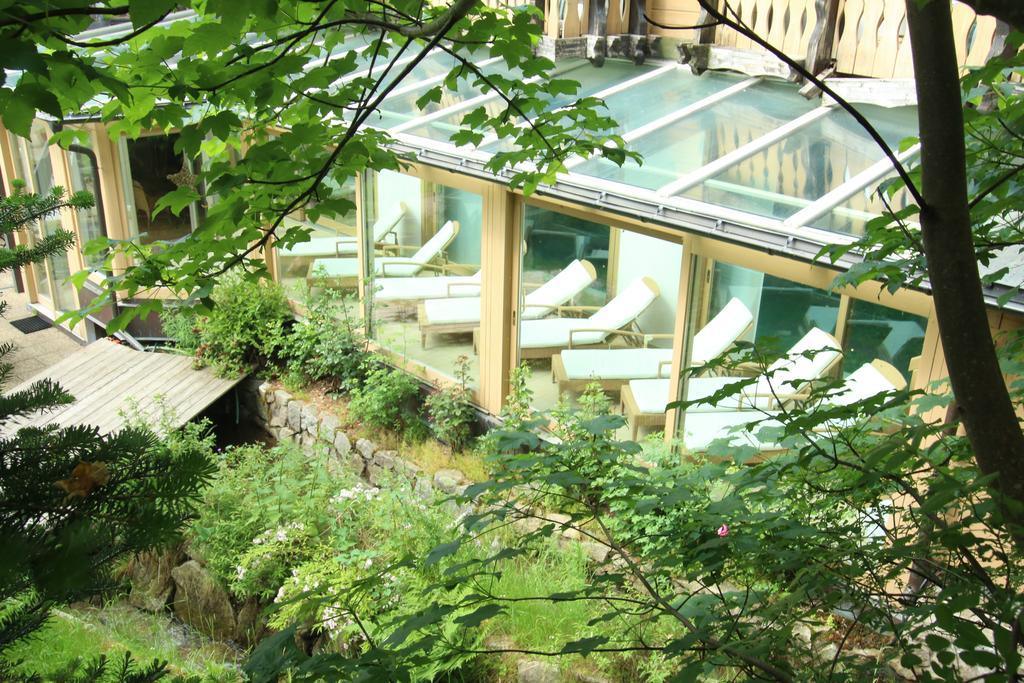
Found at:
(668, 119)
(723, 162)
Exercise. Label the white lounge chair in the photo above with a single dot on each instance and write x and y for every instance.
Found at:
(574, 369)
(452, 315)
(645, 401)
(345, 271)
(420, 288)
(543, 338)
(346, 246)
(700, 429)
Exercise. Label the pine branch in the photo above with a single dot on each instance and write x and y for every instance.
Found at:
(43, 395)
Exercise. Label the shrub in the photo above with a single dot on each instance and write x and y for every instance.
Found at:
(327, 344)
(451, 411)
(263, 512)
(387, 399)
(243, 330)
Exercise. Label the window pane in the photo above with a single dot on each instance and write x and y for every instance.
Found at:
(52, 284)
(426, 282)
(156, 170)
(607, 284)
(783, 311)
(85, 178)
(876, 332)
(331, 235)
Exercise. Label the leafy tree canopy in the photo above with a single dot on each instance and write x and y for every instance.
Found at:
(279, 105)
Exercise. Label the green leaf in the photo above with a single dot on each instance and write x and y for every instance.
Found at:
(442, 551)
(480, 615)
(145, 12)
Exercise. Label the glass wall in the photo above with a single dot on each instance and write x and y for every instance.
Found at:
(330, 236)
(85, 177)
(151, 168)
(36, 168)
(425, 287)
(876, 332)
(783, 311)
(598, 304)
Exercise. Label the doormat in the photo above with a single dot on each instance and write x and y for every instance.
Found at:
(31, 324)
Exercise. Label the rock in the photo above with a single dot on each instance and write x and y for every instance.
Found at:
(595, 551)
(278, 419)
(329, 426)
(409, 470)
(201, 602)
(262, 412)
(589, 678)
(387, 460)
(424, 487)
(295, 416)
(150, 576)
(310, 420)
(285, 433)
(447, 480)
(265, 393)
(250, 626)
(378, 476)
(282, 398)
(366, 449)
(341, 444)
(532, 671)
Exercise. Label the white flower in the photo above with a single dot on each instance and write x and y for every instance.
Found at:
(368, 563)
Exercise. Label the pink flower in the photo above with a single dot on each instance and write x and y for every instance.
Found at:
(723, 530)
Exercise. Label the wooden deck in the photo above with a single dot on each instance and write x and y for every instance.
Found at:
(111, 382)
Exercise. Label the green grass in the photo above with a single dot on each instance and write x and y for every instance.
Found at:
(81, 633)
(542, 624)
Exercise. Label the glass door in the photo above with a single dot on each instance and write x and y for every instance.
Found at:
(51, 276)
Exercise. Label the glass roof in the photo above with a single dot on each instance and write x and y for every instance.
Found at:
(751, 145)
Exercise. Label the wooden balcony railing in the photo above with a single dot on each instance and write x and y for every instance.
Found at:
(856, 37)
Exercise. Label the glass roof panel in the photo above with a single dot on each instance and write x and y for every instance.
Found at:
(785, 177)
(851, 217)
(592, 80)
(402, 108)
(664, 94)
(696, 140)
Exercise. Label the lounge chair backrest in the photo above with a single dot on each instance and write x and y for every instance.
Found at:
(626, 307)
(387, 221)
(789, 372)
(866, 381)
(438, 243)
(721, 332)
(569, 282)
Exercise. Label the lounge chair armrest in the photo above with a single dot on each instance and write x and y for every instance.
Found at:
(399, 248)
(648, 337)
(607, 331)
(616, 332)
(410, 262)
(576, 309)
(662, 365)
(460, 288)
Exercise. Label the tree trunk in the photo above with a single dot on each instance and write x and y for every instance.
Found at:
(981, 394)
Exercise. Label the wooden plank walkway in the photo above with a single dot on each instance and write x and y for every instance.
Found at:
(111, 383)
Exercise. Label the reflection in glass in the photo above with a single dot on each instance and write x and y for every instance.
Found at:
(432, 264)
(784, 311)
(787, 176)
(155, 169)
(876, 332)
(329, 236)
(85, 178)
